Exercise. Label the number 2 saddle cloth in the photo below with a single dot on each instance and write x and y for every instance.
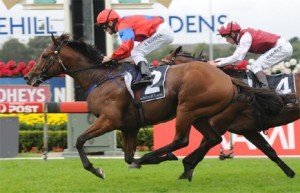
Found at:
(150, 92)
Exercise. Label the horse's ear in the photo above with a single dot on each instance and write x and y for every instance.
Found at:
(64, 37)
(178, 50)
(53, 39)
(201, 54)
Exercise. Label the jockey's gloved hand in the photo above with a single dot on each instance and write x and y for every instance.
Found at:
(106, 59)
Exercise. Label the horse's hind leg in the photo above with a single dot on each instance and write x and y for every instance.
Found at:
(101, 126)
(260, 142)
(192, 160)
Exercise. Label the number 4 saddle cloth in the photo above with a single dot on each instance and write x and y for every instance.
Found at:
(282, 83)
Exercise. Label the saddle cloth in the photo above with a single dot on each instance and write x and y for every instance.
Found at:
(282, 83)
(151, 92)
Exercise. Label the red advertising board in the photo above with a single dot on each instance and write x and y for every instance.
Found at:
(15, 107)
(284, 139)
(25, 93)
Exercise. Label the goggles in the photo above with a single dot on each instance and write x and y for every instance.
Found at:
(104, 26)
(225, 35)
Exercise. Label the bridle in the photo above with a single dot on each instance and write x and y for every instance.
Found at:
(169, 62)
(54, 58)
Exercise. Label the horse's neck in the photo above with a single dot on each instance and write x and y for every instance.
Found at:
(84, 76)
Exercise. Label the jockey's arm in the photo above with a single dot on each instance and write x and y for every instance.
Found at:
(240, 52)
(124, 50)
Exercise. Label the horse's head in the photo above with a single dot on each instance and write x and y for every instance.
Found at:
(170, 59)
(176, 57)
(49, 63)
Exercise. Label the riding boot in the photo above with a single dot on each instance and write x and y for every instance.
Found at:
(262, 79)
(146, 75)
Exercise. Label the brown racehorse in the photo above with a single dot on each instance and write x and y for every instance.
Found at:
(248, 122)
(194, 94)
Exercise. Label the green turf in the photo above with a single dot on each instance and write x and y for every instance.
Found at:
(211, 176)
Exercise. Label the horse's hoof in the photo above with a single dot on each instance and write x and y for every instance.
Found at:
(291, 174)
(100, 173)
(171, 156)
(187, 175)
(135, 165)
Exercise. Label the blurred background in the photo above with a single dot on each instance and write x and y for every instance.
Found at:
(26, 27)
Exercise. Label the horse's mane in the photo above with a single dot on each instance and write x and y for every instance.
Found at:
(87, 50)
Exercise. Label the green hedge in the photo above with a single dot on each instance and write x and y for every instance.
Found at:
(29, 140)
(40, 126)
(33, 140)
(145, 138)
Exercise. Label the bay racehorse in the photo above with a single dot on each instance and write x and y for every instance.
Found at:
(193, 94)
(248, 122)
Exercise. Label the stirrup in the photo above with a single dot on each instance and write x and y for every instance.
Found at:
(141, 83)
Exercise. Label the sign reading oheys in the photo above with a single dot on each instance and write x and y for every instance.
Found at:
(39, 107)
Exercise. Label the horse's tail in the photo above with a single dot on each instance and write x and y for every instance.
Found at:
(266, 101)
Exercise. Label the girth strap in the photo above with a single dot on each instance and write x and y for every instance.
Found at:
(138, 104)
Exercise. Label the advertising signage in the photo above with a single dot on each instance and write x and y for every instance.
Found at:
(16, 90)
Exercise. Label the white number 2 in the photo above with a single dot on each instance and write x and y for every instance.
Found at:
(151, 88)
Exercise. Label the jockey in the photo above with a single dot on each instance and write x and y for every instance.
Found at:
(273, 48)
(151, 31)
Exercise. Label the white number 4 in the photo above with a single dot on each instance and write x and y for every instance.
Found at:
(283, 86)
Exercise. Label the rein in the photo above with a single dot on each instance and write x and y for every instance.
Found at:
(172, 61)
(102, 81)
(82, 69)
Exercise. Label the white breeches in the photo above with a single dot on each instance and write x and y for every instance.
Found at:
(163, 36)
(280, 52)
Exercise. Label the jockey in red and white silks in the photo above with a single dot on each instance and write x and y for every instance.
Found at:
(151, 31)
(273, 48)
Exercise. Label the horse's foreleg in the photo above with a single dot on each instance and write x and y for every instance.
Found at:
(155, 160)
(161, 154)
(99, 127)
(129, 145)
(260, 142)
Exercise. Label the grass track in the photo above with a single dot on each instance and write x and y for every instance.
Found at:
(211, 176)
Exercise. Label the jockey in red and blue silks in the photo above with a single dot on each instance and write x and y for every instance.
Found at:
(151, 31)
(273, 48)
